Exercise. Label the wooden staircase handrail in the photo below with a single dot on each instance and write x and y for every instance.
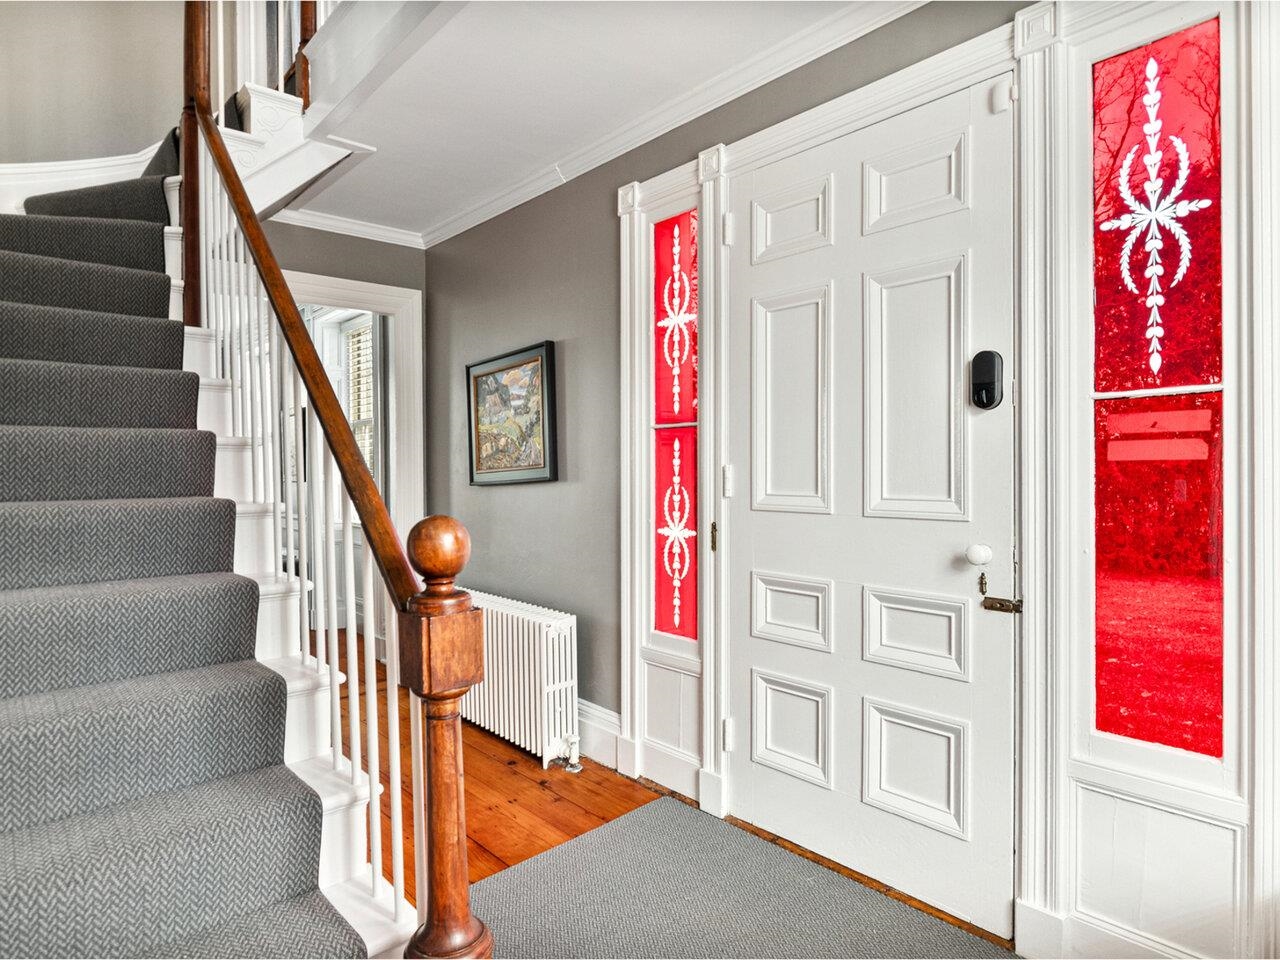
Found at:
(379, 532)
(441, 645)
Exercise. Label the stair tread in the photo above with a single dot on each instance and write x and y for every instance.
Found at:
(138, 199)
(58, 393)
(137, 244)
(58, 282)
(53, 542)
(71, 751)
(40, 332)
(89, 463)
(85, 633)
(305, 926)
(160, 868)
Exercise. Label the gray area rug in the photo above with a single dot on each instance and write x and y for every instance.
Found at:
(669, 881)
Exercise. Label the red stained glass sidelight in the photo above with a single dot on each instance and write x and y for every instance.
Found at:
(675, 454)
(675, 330)
(1158, 459)
(1157, 238)
(1159, 571)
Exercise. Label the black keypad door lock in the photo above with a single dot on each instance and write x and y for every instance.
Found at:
(986, 378)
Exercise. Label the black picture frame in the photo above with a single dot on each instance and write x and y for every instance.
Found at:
(511, 417)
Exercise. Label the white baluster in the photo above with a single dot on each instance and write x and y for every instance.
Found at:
(392, 633)
(221, 95)
(270, 344)
(371, 719)
(296, 394)
(280, 68)
(234, 311)
(284, 391)
(315, 483)
(353, 656)
(331, 614)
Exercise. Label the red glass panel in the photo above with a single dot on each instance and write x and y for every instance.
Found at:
(675, 575)
(675, 320)
(1157, 214)
(1159, 569)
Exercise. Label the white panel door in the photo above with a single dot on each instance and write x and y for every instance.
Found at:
(871, 693)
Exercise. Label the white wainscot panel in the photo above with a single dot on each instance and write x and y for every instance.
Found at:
(1157, 874)
(916, 631)
(793, 220)
(916, 183)
(913, 375)
(791, 726)
(790, 398)
(915, 764)
(795, 610)
(673, 709)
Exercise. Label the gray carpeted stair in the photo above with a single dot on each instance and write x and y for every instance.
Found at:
(161, 732)
(36, 332)
(119, 243)
(144, 808)
(56, 282)
(87, 633)
(141, 199)
(56, 394)
(65, 463)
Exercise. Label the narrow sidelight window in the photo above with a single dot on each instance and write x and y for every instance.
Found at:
(675, 424)
(1158, 392)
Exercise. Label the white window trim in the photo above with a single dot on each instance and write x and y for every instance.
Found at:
(405, 380)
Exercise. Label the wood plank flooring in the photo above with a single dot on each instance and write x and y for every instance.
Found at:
(515, 809)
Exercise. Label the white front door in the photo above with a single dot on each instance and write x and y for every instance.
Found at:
(871, 694)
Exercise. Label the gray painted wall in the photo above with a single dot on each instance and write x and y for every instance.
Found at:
(82, 80)
(549, 270)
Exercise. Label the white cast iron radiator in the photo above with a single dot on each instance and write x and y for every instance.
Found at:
(529, 694)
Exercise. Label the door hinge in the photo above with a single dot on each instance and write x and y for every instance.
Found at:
(726, 734)
(726, 229)
(726, 481)
(714, 531)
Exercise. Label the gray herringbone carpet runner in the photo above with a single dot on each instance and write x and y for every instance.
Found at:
(144, 805)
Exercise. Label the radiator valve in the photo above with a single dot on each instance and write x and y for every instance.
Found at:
(573, 762)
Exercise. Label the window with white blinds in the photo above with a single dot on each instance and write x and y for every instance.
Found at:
(361, 387)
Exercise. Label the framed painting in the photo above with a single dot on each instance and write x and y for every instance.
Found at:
(512, 412)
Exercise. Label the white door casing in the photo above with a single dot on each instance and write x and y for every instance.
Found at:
(872, 696)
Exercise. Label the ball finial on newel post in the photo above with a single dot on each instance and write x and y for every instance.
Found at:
(439, 547)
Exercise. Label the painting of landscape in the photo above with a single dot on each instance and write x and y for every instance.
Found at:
(510, 418)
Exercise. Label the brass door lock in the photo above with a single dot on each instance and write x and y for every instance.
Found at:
(998, 604)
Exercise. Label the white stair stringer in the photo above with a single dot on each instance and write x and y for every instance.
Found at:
(346, 804)
(200, 351)
(213, 408)
(254, 546)
(373, 914)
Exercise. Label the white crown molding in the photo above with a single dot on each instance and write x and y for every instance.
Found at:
(332, 223)
(835, 31)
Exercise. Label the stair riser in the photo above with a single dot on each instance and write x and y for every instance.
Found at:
(253, 541)
(213, 412)
(175, 300)
(172, 190)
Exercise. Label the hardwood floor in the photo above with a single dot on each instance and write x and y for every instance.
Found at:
(515, 809)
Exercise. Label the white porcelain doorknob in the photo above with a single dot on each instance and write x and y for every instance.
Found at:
(979, 554)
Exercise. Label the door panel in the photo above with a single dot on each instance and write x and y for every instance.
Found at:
(873, 694)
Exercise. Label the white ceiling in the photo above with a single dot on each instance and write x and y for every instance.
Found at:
(509, 99)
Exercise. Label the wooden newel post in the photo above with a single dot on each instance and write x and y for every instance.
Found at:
(441, 657)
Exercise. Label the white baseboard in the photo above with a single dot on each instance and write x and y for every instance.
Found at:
(1041, 934)
(21, 180)
(599, 729)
